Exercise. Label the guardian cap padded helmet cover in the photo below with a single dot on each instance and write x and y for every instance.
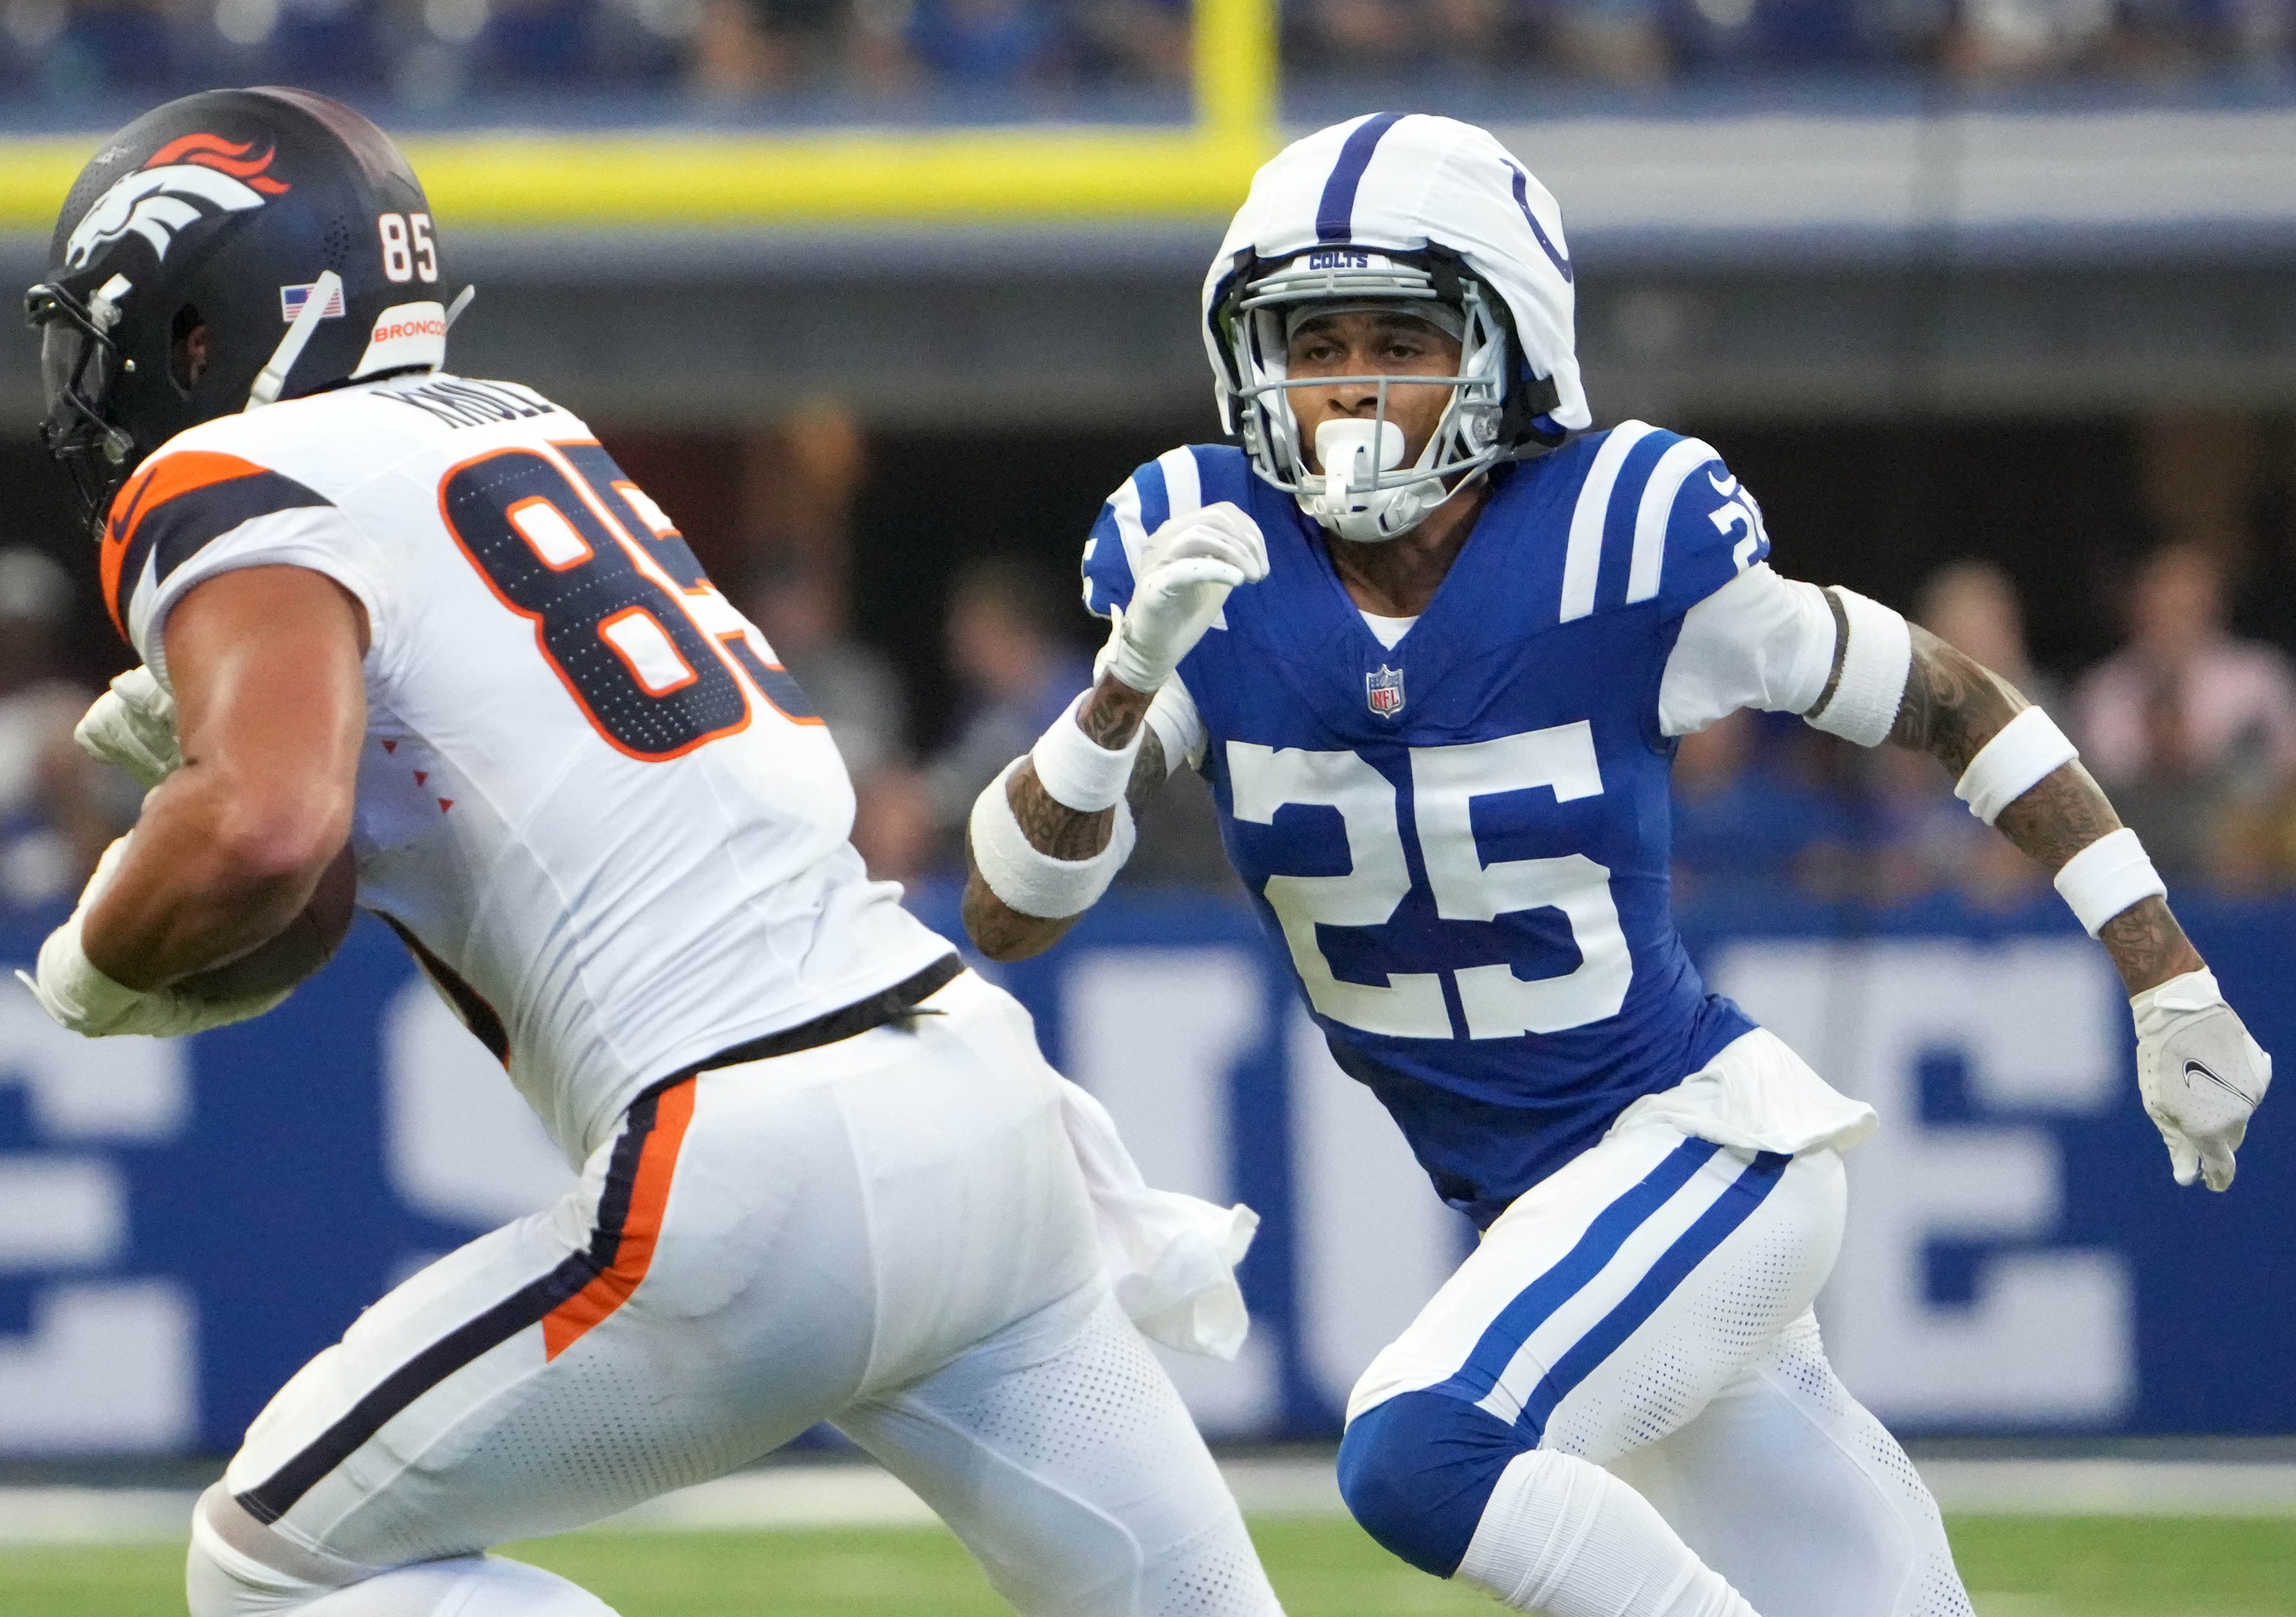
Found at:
(223, 210)
(1404, 210)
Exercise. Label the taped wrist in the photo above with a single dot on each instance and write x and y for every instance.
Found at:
(1030, 881)
(2107, 877)
(1123, 657)
(1877, 654)
(73, 990)
(1078, 771)
(2028, 750)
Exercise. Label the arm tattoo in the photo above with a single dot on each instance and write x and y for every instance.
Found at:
(1953, 706)
(1114, 713)
(2147, 945)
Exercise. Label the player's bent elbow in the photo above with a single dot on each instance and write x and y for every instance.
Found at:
(279, 846)
(1417, 1470)
(1003, 932)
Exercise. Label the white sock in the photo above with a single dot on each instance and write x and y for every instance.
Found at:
(1563, 1537)
(222, 1581)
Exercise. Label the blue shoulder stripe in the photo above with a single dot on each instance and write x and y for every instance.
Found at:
(1590, 519)
(1661, 487)
(1107, 570)
(1616, 553)
(1174, 483)
(1155, 498)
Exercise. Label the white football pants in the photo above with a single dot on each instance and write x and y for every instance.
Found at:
(1647, 1309)
(890, 1232)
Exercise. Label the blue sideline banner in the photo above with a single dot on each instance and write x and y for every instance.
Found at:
(182, 1224)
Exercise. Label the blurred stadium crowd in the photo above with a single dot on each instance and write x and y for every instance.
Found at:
(876, 55)
(2191, 727)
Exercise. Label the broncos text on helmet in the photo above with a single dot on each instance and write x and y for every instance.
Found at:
(1429, 213)
(284, 224)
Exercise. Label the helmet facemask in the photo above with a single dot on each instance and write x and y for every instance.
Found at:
(285, 225)
(1364, 493)
(79, 365)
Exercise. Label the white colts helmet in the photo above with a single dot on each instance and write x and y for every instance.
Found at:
(1426, 213)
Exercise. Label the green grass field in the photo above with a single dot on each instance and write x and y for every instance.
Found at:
(2017, 1567)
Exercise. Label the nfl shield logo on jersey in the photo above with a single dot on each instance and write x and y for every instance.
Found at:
(1384, 690)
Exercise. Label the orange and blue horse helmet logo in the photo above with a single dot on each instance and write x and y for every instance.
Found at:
(168, 192)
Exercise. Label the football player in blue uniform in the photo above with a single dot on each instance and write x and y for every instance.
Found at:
(1432, 643)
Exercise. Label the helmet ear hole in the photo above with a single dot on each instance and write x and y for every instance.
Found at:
(187, 348)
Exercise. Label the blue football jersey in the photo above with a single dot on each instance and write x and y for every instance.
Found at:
(1463, 842)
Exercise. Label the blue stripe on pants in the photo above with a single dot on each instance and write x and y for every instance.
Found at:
(1715, 1226)
(1504, 1337)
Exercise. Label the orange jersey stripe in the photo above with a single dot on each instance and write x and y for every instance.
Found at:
(564, 1325)
(154, 486)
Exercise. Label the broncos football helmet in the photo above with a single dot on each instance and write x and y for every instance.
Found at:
(286, 225)
(1433, 216)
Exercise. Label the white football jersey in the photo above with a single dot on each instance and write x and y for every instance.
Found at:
(591, 800)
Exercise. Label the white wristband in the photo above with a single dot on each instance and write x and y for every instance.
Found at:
(1179, 728)
(2024, 752)
(2108, 875)
(1032, 882)
(1877, 654)
(1078, 771)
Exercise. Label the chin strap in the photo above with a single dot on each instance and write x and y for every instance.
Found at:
(291, 347)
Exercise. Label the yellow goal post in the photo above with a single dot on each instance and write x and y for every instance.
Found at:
(674, 178)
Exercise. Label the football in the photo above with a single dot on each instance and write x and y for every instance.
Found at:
(308, 943)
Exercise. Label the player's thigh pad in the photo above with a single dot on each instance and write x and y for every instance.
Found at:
(1601, 1311)
(969, 1182)
(1061, 1454)
(763, 1245)
(699, 1298)
(1790, 1488)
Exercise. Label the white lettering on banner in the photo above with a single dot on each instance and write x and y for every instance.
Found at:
(462, 1144)
(108, 1368)
(1374, 1241)
(109, 1365)
(60, 1212)
(2049, 1338)
(124, 1089)
(1156, 1034)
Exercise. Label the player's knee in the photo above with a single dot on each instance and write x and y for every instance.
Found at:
(1417, 1470)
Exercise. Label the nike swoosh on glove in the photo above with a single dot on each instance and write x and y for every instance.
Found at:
(1187, 567)
(81, 998)
(2200, 1074)
(132, 724)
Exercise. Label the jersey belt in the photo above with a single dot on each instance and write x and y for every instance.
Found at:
(887, 1005)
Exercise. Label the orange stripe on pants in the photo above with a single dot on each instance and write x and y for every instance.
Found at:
(564, 1325)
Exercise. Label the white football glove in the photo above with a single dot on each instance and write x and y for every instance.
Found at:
(132, 724)
(1187, 567)
(2200, 1073)
(80, 998)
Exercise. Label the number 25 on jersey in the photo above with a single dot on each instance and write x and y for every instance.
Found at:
(1444, 783)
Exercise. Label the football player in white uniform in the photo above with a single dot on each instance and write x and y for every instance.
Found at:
(420, 634)
(1430, 641)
